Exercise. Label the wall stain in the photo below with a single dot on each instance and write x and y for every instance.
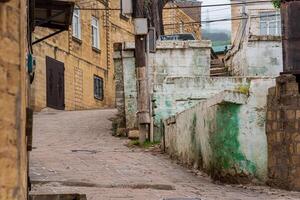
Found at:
(196, 146)
(229, 164)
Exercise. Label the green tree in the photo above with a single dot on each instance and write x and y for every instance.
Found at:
(276, 3)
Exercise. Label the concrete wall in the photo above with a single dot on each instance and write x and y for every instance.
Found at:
(172, 59)
(13, 101)
(224, 134)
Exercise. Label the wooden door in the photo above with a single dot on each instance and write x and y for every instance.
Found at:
(55, 73)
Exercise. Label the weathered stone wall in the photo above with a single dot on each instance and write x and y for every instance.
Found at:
(224, 134)
(172, 59)
(283, 133)
(126, 80)
(13, 148)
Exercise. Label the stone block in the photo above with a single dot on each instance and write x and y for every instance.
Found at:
(295, 160)
(292, 87)
(134, 134)
(298, 114)
(290, 114)
(274, 126)
(291, 126)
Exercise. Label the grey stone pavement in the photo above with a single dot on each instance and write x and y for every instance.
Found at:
(74, 152)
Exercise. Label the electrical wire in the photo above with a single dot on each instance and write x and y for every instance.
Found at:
(221, 20)
(186, 7)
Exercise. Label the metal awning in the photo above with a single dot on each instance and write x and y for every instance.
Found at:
(55, 14)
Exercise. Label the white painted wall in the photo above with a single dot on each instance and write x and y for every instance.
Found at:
(197, 151)
(255, 55)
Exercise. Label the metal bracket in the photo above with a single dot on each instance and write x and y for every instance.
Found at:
(48, 36)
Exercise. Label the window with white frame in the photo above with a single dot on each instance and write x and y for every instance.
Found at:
(95, 33)
(270, 23)
(76, 23)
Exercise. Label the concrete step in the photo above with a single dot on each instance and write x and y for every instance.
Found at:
(217, 66)
(220, 74)
(216, 62)
(218, 70)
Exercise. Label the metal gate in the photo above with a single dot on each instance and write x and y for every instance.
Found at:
(290, 13)
(55, 73)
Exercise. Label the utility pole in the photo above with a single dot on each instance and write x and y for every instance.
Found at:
(143, 114)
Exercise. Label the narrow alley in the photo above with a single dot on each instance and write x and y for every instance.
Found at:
(74, 152)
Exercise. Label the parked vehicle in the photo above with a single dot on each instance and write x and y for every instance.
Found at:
(179, 37)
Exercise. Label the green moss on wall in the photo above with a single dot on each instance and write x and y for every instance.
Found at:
(229, 163)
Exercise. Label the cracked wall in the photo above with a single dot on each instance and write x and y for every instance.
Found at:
(224, 134)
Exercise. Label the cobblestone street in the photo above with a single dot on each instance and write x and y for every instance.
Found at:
(74, 152)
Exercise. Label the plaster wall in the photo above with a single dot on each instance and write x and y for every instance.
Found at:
(259, 56)
(224, 135)
(253, 54)
(172, 59)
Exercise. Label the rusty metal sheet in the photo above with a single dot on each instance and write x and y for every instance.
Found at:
(290, 13)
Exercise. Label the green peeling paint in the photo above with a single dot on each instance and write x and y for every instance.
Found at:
(196, 147)
(225, 145)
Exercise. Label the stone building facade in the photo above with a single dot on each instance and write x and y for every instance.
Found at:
(13, 101)
(178, 19)
(88, 69)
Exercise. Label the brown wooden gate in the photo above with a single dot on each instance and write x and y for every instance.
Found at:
(55, 73)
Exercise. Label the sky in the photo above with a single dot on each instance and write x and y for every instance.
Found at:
(211, 13)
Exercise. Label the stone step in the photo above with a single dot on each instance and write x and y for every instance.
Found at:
(57, 197)
(220, 74)
(218, 70)
(217, 66)
(216, 62)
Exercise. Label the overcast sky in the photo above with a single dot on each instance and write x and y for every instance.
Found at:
(211, 13)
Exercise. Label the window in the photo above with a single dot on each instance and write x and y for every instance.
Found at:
(95, 32)
(98, 88)
(270, 23)
(76, 23)
(125, 6)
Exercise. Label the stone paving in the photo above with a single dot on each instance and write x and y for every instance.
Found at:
(74, 152)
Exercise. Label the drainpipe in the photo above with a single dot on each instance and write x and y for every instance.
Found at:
(150, 89)
(244, 15)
